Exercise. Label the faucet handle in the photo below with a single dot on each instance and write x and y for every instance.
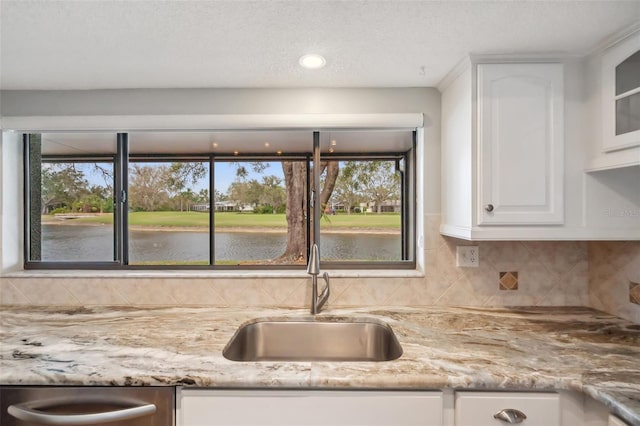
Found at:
(324, 296)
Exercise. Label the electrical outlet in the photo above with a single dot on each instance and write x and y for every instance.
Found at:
(467, 256)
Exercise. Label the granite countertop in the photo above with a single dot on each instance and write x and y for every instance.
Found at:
(462, 348)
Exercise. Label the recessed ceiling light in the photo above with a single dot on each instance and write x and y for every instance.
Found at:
(266, 144)
(215, 144)
(312, 61)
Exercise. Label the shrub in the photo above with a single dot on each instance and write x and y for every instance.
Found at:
(263, 210)
(60, 210)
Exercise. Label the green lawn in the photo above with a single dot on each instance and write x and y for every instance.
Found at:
(242, 220)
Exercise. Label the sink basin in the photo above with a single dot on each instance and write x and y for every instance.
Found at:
(313, 339)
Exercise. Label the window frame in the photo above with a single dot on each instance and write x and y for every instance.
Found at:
(59, 265)
(407, 225)
(122, 158)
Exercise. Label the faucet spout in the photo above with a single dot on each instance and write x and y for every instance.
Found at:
(313, 269)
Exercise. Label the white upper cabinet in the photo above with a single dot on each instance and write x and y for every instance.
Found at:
(621, 95)
(517, 138)
(520, 133)
(503, 143)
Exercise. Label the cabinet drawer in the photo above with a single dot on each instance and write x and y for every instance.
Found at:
(478, 408)
(306, 408)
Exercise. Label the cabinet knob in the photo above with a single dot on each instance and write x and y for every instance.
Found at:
(489, 207)
(510, 415)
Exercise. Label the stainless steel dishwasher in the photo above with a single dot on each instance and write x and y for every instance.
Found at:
(113, 406)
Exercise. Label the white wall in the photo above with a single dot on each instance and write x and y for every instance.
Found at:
(11, 249)
(221, 101)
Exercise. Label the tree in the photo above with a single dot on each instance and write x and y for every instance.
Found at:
(203, 196)
(348, 190)
(295, 188)
(272, 193)
(295, 177)
(243, 193)
(97, 200)
(381, 182)
(147, 187)
(178, 175)
(62, 185)
(187, 198)
(218, 195)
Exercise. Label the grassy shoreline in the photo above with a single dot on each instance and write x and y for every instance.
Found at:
(234, 222)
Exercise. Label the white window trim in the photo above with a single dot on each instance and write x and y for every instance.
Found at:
(128, 123)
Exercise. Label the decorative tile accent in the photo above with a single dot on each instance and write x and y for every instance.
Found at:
(634, 292)
(509, 280)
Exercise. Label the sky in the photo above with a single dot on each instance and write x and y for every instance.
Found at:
(224, 177)
(226, 174)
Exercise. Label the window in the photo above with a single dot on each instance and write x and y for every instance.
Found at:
(250, 224)
(169, 212)
(70, 197)
(219, 200)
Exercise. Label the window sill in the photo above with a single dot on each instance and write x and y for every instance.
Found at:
(79, 273)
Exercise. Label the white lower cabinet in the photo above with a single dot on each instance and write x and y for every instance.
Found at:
(200, 407)
(479, 408)
(263, 407)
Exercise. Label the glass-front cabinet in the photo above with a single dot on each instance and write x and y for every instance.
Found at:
(621, 95)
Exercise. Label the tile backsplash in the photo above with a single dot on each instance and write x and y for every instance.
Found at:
(548, 274)
(604, 275)
(614, 274)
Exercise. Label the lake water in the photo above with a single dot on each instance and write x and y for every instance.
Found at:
(95, 243)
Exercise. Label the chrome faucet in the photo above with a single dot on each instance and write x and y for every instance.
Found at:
(313, 269)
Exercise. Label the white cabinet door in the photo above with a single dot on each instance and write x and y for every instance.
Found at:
(621, 95)
(199, 407)
(520, 144)
(479, 408)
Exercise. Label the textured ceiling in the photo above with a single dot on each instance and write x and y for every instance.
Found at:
(175, 44)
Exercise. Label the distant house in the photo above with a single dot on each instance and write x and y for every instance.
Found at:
(387, 206)
(200, 207)
(225, 206)
(228, 206)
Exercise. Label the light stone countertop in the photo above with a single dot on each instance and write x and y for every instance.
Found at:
(444, 347)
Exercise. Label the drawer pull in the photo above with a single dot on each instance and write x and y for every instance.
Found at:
(489, 208)
(32, 412)
(510, 415)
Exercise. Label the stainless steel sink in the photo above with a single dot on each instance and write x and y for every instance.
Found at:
(313, 339)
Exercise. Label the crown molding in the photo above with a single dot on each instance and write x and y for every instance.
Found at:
(614, 39)
(455, 72)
